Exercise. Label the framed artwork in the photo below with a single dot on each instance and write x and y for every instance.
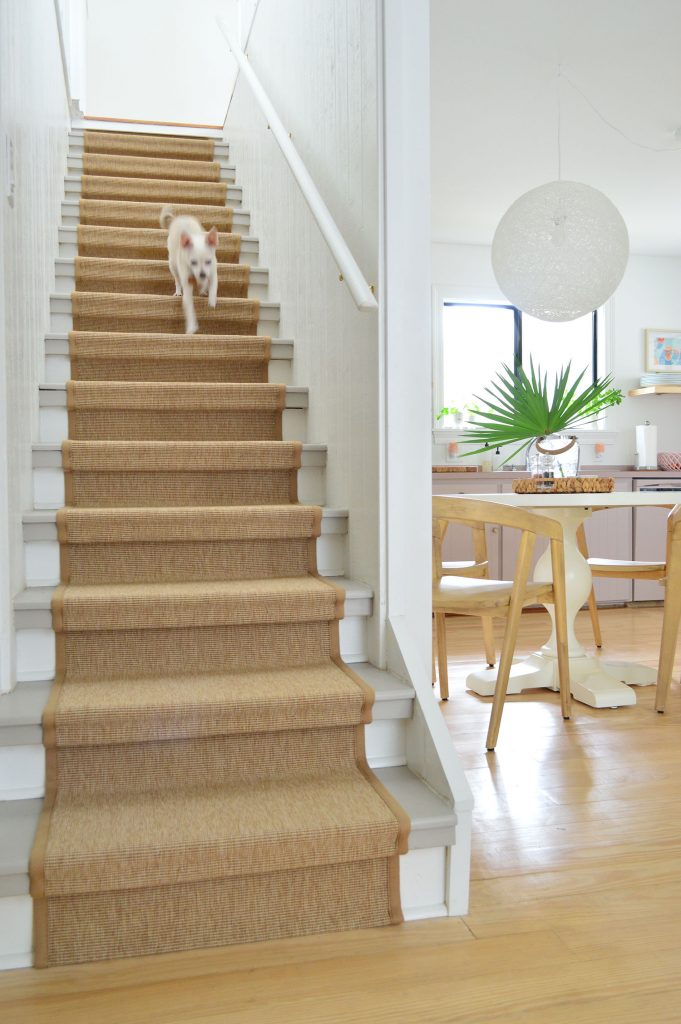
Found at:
(663, 350)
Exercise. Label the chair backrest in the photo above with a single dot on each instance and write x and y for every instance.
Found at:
(531, 525)
(477, 510)
(674, 537)
(479, 539)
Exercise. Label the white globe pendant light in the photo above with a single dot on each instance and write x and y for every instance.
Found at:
(560, 251)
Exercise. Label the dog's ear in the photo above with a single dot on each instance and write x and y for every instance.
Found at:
(185, 240)
(212, 237)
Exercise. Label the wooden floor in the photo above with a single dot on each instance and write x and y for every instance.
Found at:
(575, 900)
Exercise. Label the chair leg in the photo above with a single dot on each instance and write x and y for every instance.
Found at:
(593, 607)
(488, 636)
(670, 632)
(508, 647)
(595, 622)
(560, 612)
(505, 662)
(441, 640)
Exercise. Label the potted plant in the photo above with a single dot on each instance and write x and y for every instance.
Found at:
(521, 412)
(450, 413)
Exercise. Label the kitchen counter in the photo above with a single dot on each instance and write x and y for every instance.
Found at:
(598, 470)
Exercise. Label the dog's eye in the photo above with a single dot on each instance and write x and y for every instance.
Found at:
(208, 262)
(194, 263)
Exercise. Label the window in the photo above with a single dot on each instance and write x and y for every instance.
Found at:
(475, 338)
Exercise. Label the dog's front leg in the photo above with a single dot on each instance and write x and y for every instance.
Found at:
(191, 323)
(213, 289)
(176, 276)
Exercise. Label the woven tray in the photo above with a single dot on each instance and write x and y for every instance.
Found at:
(564, 485)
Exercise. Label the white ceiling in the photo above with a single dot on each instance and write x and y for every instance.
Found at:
(494, 110)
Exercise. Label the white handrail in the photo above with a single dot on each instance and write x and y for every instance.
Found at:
(74, 106)
(350, 272)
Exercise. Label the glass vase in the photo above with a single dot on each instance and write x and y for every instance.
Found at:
(553, 456)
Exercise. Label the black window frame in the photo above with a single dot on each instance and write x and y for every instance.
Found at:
(518, 330)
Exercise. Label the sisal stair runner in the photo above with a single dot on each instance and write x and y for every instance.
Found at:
(206, 776)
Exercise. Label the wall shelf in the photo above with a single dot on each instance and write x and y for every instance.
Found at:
(656, 389)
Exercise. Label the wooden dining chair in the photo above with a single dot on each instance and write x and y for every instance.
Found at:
(477, 567)
(672, 608)
(614, 568)
(489, 599)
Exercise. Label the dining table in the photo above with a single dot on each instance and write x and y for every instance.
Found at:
(595, 680)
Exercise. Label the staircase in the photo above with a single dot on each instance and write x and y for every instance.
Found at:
(126, 572)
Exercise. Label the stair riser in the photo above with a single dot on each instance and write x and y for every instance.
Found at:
(41, 559)
(70, 217)
(58, 370)
(16, 932)
(423, 880)
(54, 426)
(35, 642)
(22, 768)
(65, 283)
(75, 166)
(72, 190)
(48, 486)
(61, 321)
(68, 249)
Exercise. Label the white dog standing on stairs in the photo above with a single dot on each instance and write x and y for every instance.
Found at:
(191, 258)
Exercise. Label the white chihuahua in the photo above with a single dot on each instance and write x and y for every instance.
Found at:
(191, 258)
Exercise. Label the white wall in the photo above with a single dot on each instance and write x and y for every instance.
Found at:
(33, 115)
(649, 296)
(320, 73)
(159, 60)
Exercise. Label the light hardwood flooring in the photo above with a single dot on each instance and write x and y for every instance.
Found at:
(575, 910)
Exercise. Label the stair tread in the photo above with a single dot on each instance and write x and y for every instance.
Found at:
(81, 125)
(40, 598)
(103, 711)
(69, 263)
(169, 605)
(73, 229)
(24, 705)
(49, 515)
(153, 838)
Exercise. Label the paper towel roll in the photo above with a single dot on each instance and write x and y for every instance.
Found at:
(646, 446)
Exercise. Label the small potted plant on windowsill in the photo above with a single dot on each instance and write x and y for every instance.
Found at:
(521, 412)
(454, 418)
(450, 417)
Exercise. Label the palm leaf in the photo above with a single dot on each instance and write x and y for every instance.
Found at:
(519, 408)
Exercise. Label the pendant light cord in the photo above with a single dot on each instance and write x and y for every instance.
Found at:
(633, 142)
(558, 78)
